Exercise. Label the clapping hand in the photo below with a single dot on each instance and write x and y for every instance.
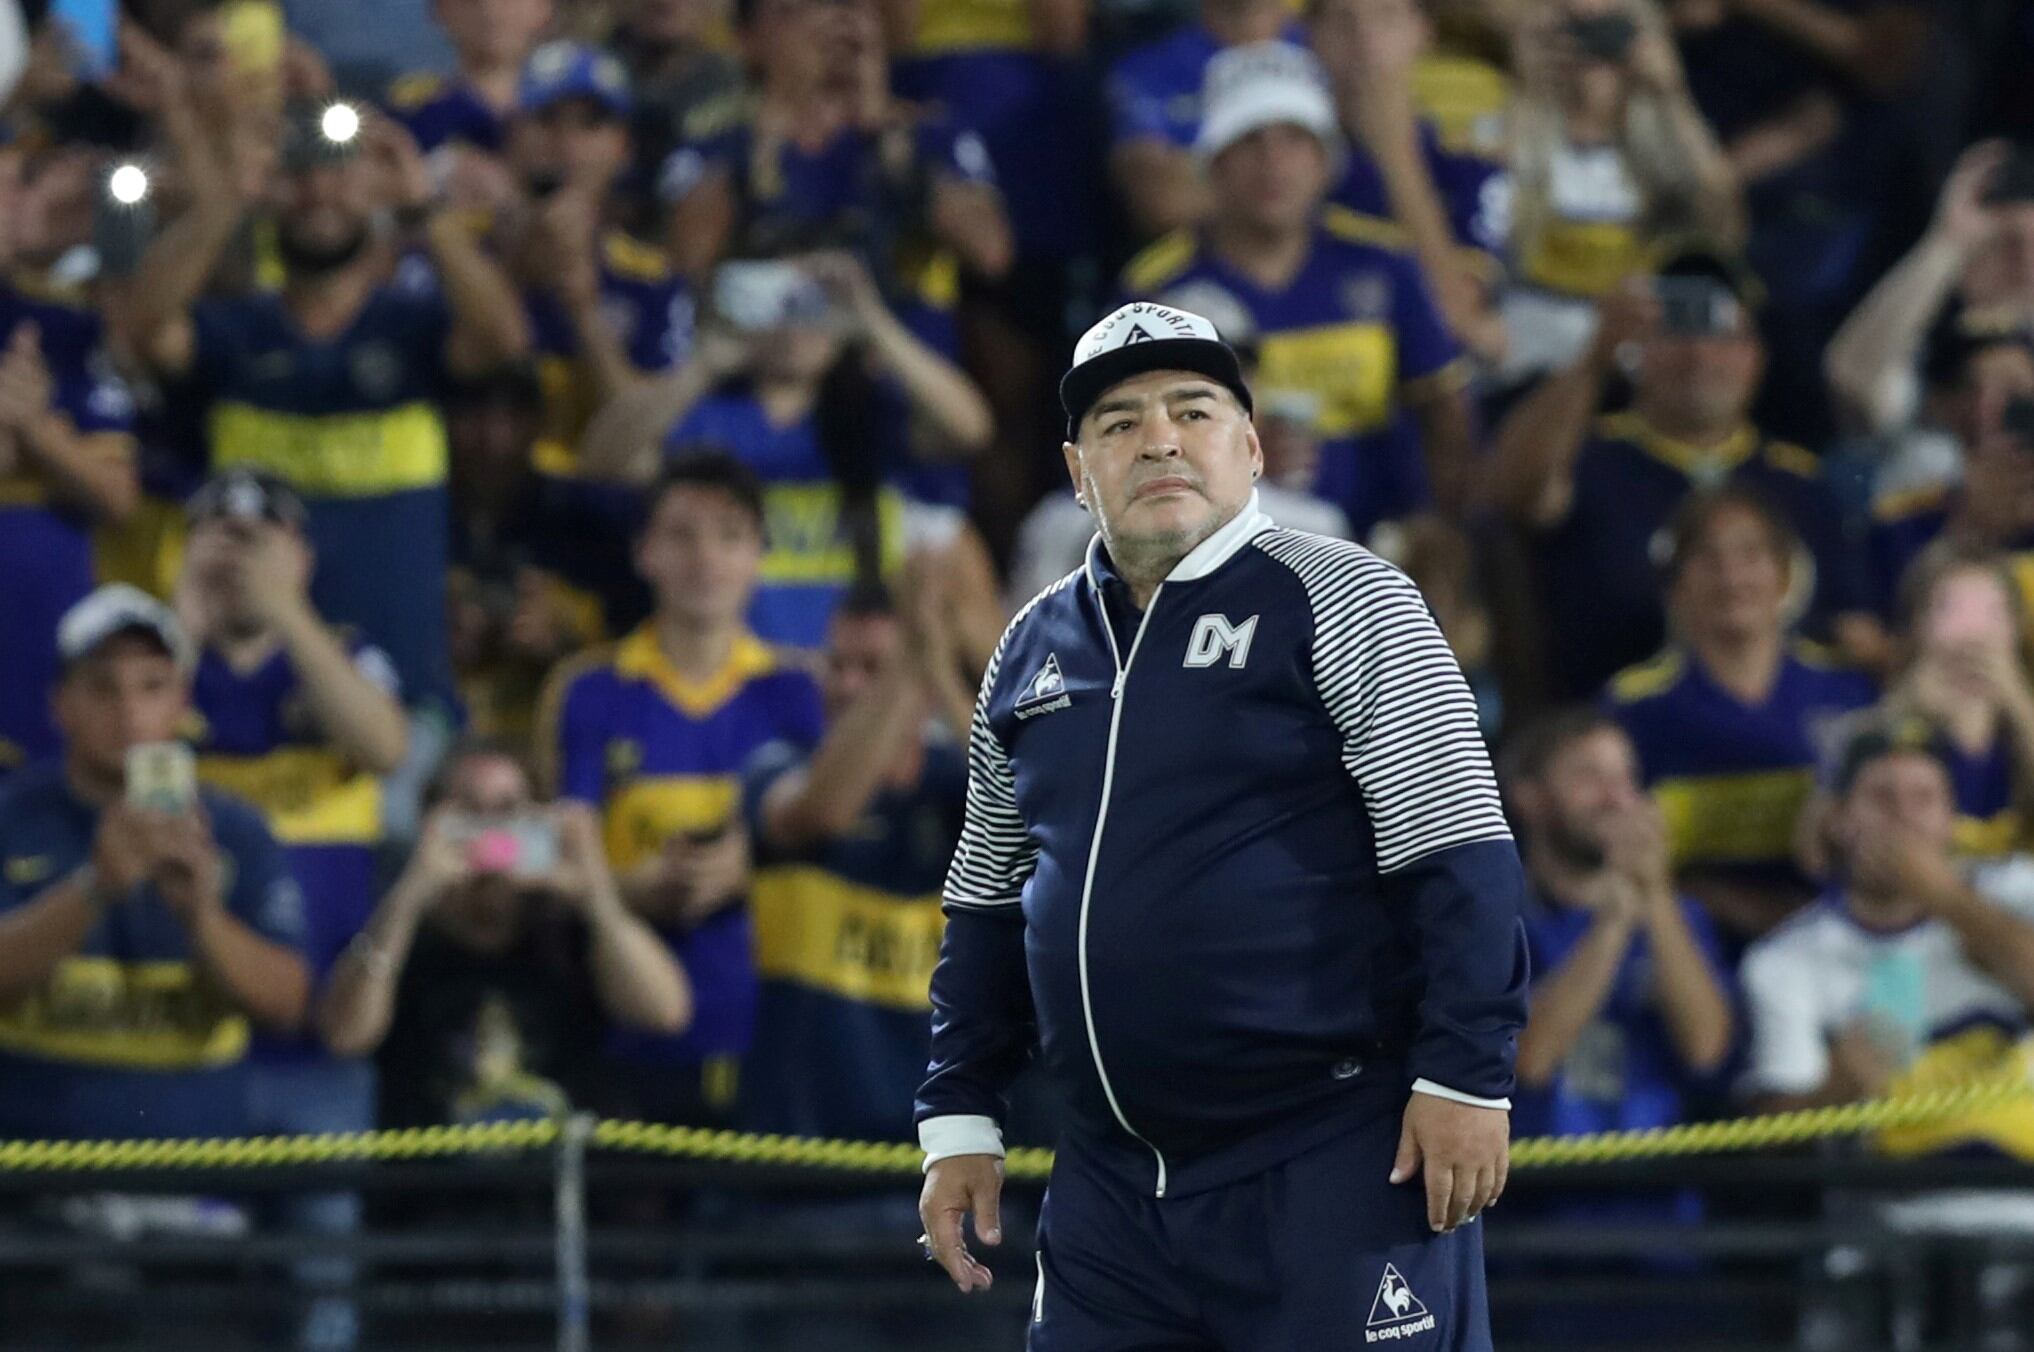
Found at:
(26, 388)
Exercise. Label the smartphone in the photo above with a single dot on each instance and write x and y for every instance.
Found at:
(522, 846)
(93, 30)
(124, 218)
(1696, 307)
(1602, 37)
(162, 777)
(759, 294)
(2012, 181)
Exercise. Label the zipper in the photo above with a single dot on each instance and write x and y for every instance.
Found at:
(1095, 853)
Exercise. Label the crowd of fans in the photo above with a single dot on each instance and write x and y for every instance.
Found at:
(562, 466)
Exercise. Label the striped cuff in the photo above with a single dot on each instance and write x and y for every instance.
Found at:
(1452, 1095)
(959, 1134)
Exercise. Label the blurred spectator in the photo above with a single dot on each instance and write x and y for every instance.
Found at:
(829, 159)
(1965, 676)
(1976, 261)
(1985, 395)
(1447, 203)
(1156, 101)
(1054, 538)
(371, 43)
(605, 308)
(471, 107)
(1440, 558)
(1336, 314)
(1596, 491)
(1629, 1011)
(540, 562)
(806, 376)
(66, 464)
(488, 973)
(138, 941)
(687, 88)
(331, 384)
(1725, 718)
(652, 733)
(297, 720)
(1608, 159)
(1907, 972)
(1463, 78)
(852, 839)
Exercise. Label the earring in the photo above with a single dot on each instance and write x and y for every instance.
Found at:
(1081, 500)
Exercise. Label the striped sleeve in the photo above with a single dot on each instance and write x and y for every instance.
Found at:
(996, 854)
(1393, 687)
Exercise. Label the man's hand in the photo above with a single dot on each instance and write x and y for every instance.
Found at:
(1861, 1063)
(1465, 1152)
(709, 875)
(1636, 848)
(404, 182)
(955, 1188)
(186, 866)
(272, 573)
(120, 850)
(581, 878)
(1962, 217)
(25, 384)
(1904, 865)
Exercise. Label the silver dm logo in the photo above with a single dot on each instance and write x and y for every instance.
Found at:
(1396, 1312)
(1046, 691)
(1214, 636)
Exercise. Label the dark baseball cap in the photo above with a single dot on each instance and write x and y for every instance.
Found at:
(247, 495)
(1895, 737)
(1139, 338)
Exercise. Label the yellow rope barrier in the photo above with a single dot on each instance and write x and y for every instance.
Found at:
(742, 1148)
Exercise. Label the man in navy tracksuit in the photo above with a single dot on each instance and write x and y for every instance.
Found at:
(1233, 861)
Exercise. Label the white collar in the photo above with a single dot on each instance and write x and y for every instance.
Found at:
(1210, 553)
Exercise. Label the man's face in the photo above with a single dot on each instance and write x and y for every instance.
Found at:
(857, 650)
(802, 44)
(1586, 785)
(126, 694)
(1164, 459)
(1700, 382)
(1272, 179)
(1733, 582)
(670, 23)
(701, 553)
(490, 441)
(325, 209)
(211, 568)
(577, 141)
(1904, 793)
(493, 32)
(1335, 30)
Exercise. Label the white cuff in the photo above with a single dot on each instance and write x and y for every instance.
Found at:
(959, 1134)
(1453, 1095)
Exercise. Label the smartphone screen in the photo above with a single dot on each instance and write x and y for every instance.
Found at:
(93, 28)
(162, 777)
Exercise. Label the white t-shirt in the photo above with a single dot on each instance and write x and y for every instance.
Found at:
(1822, 971)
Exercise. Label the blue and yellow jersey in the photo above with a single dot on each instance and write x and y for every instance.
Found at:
(847, 934)
(46, 554)
(1356, 328)
(1591, 231)
(1599, 568)
(1989, 822)
(660, 755)
(127, 1037)
(1466, 98)
(808, 561)
(440, 110)
(352, 423)
(647, 306)
(1472, 190)
(257, 738)
(1904, 524)
(1730, 777)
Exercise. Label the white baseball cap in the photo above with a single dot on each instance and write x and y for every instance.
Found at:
(117, 609)
(1140, 337)
(1264, 84)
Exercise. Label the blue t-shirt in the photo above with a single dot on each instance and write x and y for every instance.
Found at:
(808, 562)
(1623, 1073)
(352, 423)
(46, 563)
(847, 934)
(127, 1038)
(1154, 91)
(659, 755)
(445, 110)
(257, 739)
(1599, 568)
(1731, 778)
(1355, 328)
(1471, 190)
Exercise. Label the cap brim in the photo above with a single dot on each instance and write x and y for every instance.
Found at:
(1083, 385)
(134, 625)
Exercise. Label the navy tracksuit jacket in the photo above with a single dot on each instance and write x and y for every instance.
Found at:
(1236, 867)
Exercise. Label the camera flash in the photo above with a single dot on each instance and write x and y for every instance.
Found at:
(129, 184)
(340, 123)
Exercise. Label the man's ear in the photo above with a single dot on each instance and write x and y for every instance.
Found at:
(1072, 454)
(1256, 449)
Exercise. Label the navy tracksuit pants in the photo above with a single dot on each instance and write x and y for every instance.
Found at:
(1320, 1251)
